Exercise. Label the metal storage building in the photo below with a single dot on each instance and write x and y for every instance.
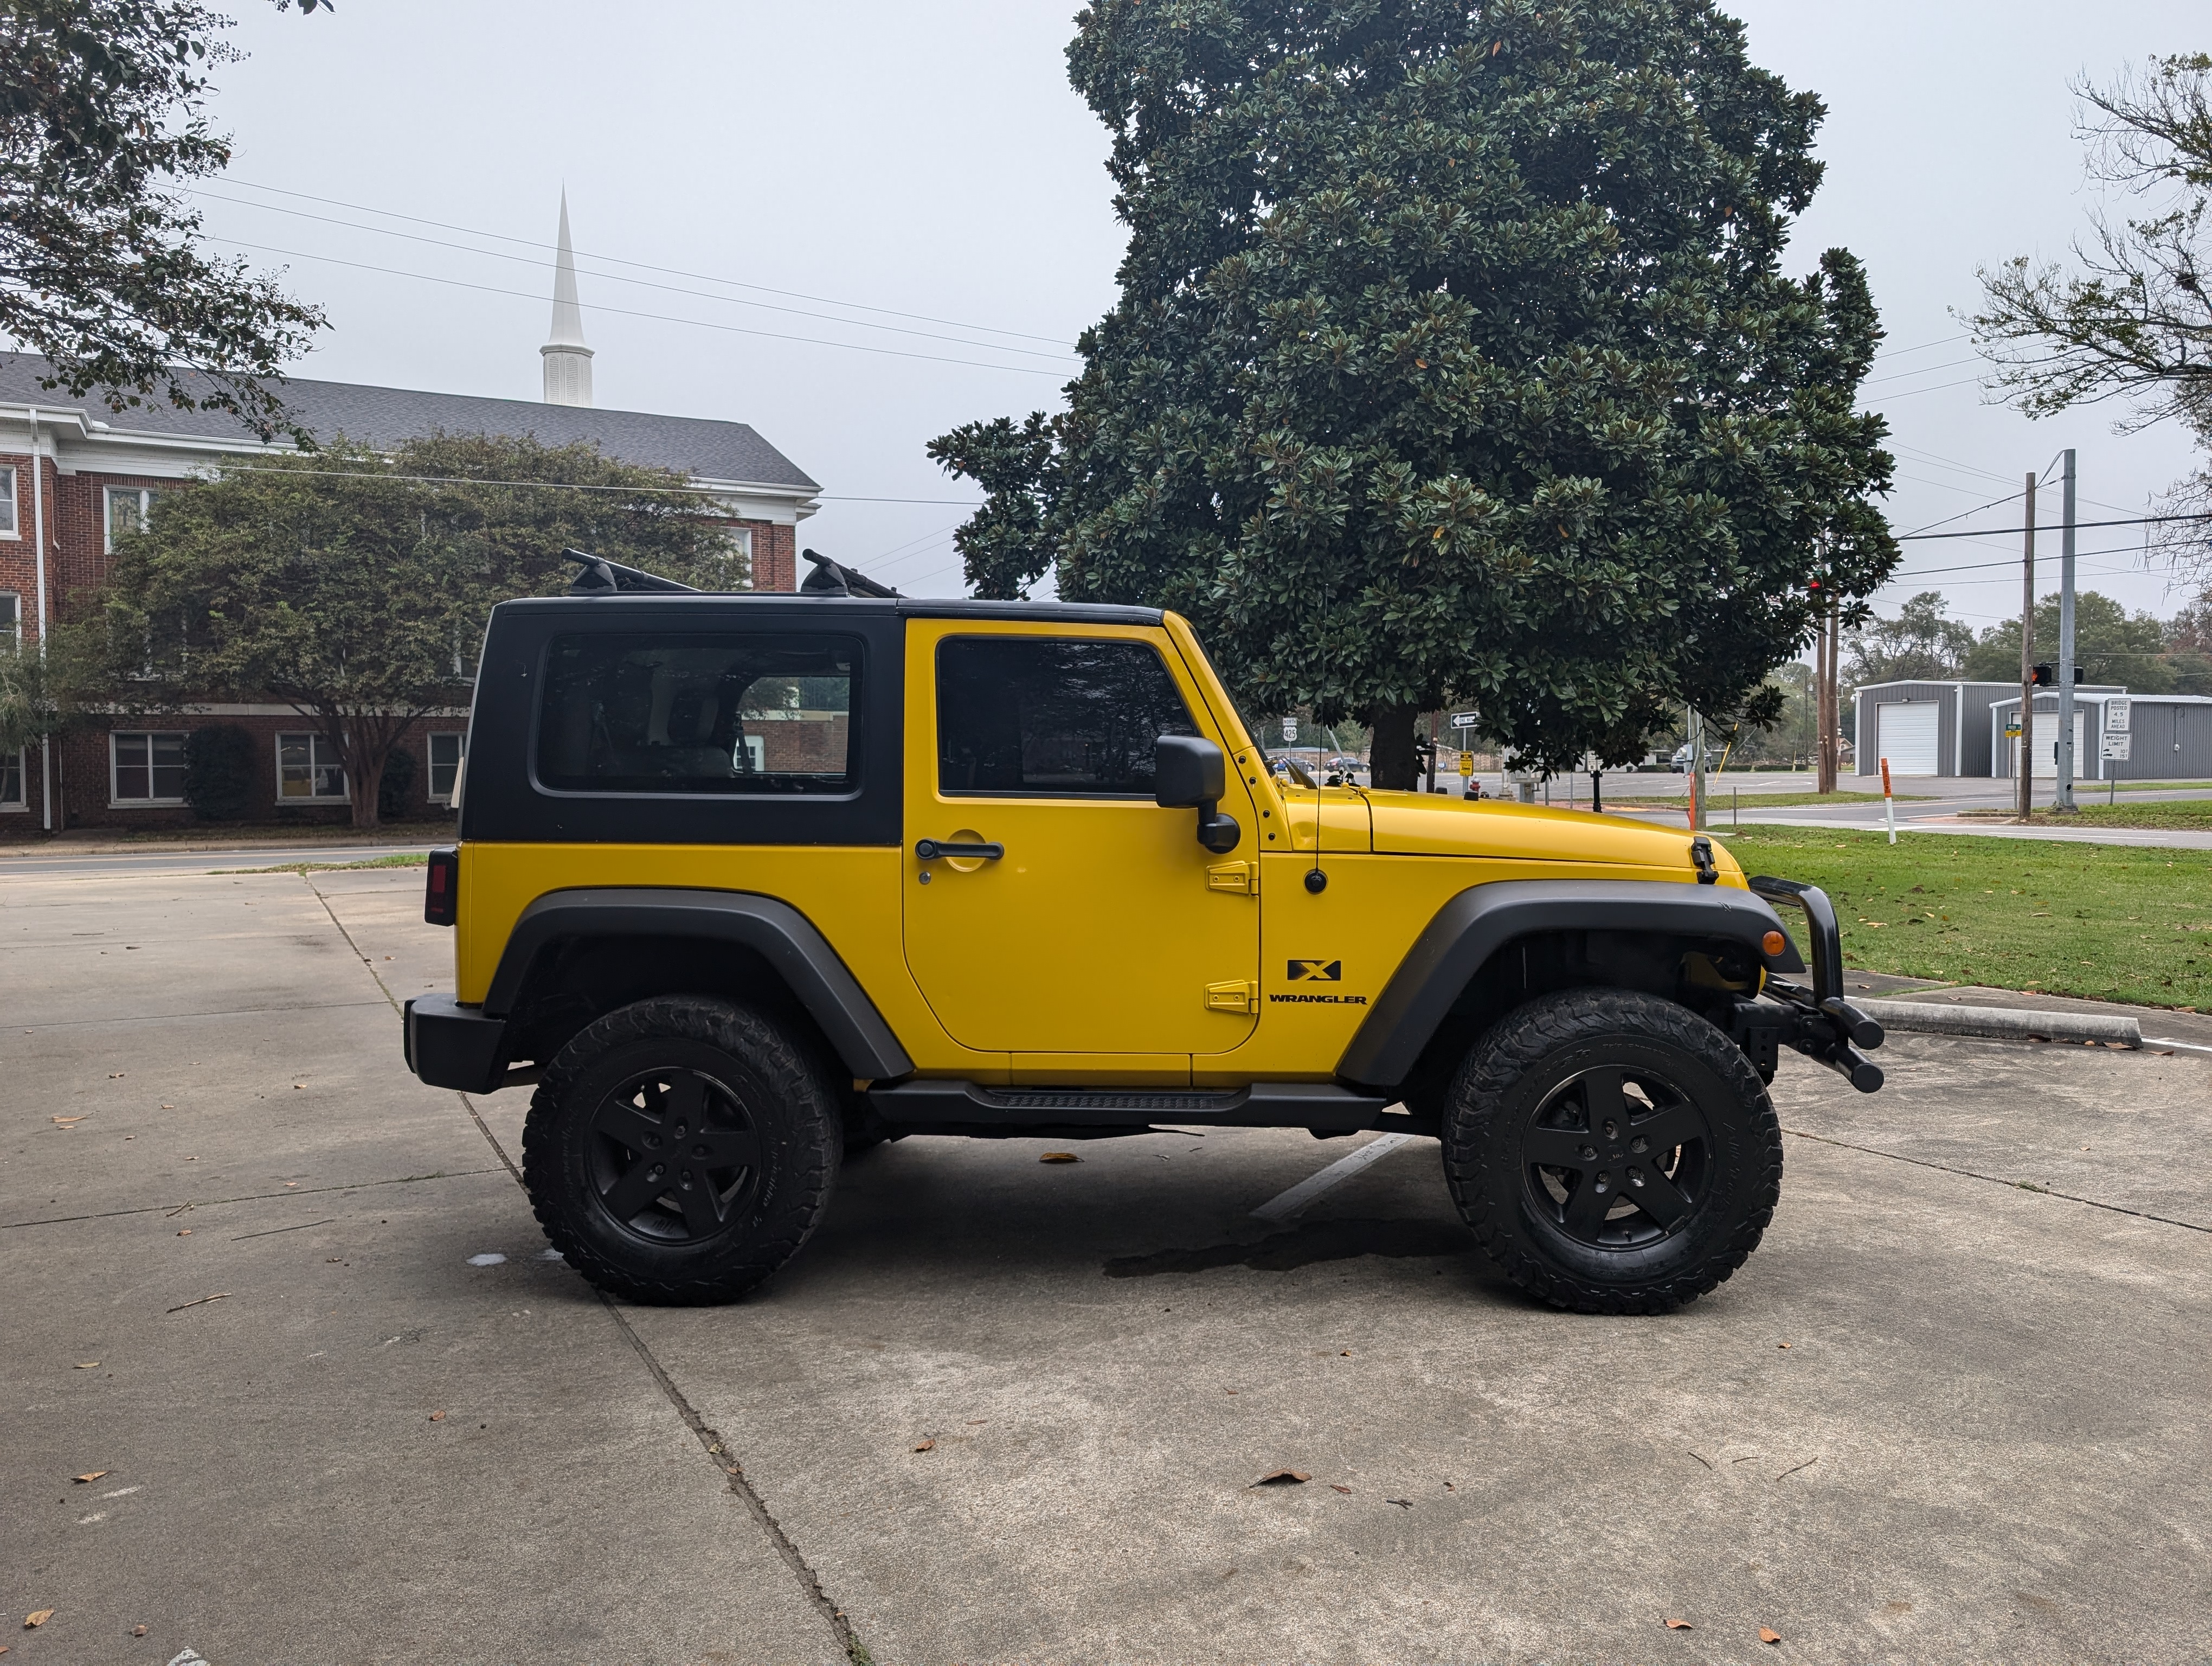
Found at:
(1934, 728)
(2165, 737)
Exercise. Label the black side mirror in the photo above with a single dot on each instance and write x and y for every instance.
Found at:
(1190, 773)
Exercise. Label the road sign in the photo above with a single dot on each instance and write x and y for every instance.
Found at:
(2012, 729)
(2116, 719)
(1290, 729)
(1465, 719)
(2114, 746)
(1466, 763)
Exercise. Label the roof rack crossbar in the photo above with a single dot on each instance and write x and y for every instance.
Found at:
(598, 576)
(831, 578)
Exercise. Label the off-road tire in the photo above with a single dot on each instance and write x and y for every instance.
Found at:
(777, 1104)
(1527, 1067)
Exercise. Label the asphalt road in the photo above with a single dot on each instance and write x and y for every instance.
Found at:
(287, 1309)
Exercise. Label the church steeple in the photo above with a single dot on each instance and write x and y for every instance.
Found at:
(567, 361)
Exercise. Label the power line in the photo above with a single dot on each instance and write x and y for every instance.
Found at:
(1900, 352)
(643, 266)
(642, 282)
(2000, 532)
(661, 317)
(1925, 370)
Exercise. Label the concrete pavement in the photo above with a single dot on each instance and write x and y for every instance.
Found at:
(1984, 1439)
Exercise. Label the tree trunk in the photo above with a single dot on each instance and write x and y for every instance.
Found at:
(366, 743)
(1390, 753)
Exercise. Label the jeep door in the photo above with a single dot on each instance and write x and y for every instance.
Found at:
(1105, 929)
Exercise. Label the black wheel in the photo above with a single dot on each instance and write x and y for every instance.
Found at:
(681, 1149)
(1614, 1153)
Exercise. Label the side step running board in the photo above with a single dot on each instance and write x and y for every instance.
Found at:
(1321, 1106)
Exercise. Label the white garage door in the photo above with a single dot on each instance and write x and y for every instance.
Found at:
(1905, 735)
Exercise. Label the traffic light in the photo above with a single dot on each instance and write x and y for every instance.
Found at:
(2047, 676)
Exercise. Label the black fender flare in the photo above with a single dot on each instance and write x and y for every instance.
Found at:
(1480, 921)
(780, 934)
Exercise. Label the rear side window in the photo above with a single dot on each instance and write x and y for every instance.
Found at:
(699, 713)
(1052, 715)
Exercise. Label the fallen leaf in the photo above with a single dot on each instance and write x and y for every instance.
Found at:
(87, 1365)
(437, 1416)
(297, 1086)
(137, 1631)
(94, 1475)
(1344, 1353)
(1283, 1478)
(70, 1122)
(1402, 1504)
(168, 1107)
(36, 1618)
(1782, 1345)
(184, 1231)
(925, 1446)
(973, 1421)
(223, 1296)
(1679, 1626)
(1059, 1157)
(1334, 1487)
(1767, 1636)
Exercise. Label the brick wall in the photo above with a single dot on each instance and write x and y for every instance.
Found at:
(75, 524)
(83, 779)
(776, 555)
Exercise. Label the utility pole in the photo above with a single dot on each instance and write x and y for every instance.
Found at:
(1835, 735)
(1697, 771)
(2026, 768)
(2062, 797)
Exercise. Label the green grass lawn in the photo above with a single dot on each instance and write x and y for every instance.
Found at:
(2172, 812)
(2113, 922)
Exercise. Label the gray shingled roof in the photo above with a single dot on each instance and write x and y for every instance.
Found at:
(699, 446)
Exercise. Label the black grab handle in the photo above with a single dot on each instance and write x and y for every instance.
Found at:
(930, 849)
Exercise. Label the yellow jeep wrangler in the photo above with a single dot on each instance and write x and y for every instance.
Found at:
(744, 882)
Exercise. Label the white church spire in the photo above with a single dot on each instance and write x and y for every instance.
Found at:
(567, 361)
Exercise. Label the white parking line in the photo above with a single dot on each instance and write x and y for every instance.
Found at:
(2161, 1040)
(1295, 1200)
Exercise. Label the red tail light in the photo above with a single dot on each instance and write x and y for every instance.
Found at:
(442, 893)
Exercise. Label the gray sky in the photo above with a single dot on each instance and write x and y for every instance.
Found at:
(931, 161)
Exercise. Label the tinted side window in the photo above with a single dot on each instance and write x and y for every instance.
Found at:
(1040, 715)
(698, 713)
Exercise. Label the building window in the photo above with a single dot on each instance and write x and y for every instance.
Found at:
(11, 783)
(308, 770)
(149, 768)
(8, 527)
(741, 543)
(11, 618)
(446, 751)
(127, 509)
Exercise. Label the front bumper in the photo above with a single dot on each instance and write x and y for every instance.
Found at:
(1817, 1021)
(450, 1045)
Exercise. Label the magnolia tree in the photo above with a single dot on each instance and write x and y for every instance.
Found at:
(1454, 361)
(103, 126)
(355, 585)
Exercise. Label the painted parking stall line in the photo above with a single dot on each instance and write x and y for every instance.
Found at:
(1303, 1195)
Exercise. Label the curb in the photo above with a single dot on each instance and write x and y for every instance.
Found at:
(2002, 1022)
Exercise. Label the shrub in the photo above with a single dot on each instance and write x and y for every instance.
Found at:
(219, 772)
(392, 791)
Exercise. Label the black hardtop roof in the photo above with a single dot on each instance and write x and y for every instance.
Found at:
(659, 606)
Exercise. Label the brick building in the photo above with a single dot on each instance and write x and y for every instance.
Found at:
(72, 471)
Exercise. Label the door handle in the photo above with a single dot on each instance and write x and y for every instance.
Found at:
(930, 850)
